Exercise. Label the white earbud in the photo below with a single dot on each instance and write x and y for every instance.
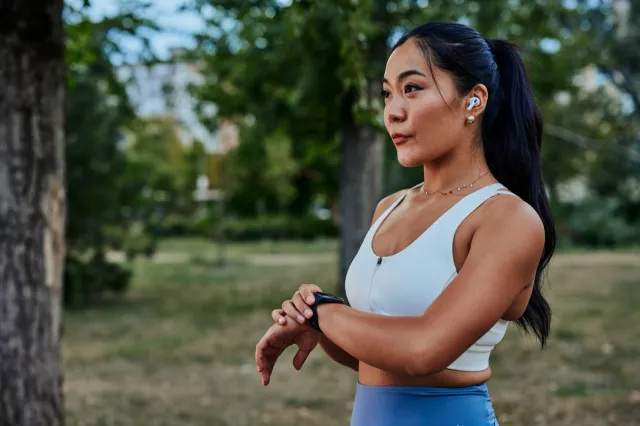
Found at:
(474, 101)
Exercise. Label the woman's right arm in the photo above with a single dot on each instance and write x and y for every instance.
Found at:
(337, 354)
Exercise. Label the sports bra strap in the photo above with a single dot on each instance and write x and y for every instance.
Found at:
(452, 219)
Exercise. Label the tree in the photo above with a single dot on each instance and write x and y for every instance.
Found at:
(614, 25)
(595, 131)
(314, 69)
(155, 150)
(32, 210)
(104, 202)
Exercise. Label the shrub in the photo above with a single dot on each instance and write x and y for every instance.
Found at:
(597, 223)
(85, 280)
(277, 228)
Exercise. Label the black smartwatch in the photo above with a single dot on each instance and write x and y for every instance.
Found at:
(321, 298)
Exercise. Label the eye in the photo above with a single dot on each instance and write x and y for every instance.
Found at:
(411, 88)
(385, 94)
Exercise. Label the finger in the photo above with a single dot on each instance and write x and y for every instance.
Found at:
(299, 358)
(260, 347)
(265, 359)
(265, 375)
(259, 361)
(279, 316)
(289, 308)
(269, 364)
(264, 350)
(307, 290)
(301, 305)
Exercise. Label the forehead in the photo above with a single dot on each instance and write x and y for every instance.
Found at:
(405, 57)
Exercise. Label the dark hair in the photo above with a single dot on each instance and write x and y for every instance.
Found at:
(511, 128)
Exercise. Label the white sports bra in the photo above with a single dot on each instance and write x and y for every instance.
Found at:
(408, 282)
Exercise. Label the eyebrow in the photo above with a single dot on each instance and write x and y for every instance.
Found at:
(405, 74)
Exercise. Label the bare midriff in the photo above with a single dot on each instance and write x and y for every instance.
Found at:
(371, 376)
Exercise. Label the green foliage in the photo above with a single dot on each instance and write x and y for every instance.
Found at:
(158, 162)
(181, 225)
(87, 279)
(271, 184)
(598, 223)
(320, 64)
(279, 228)
(103, 203)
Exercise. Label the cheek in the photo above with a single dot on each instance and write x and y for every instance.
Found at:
(431, 118)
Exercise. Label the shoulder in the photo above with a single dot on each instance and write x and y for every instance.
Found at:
(386, 202)
(507, 244)
(514, 224)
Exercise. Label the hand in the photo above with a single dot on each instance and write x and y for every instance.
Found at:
(277, 339)
(298, 307)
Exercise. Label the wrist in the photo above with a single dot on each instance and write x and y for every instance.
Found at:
(324, 311)
(323, 302)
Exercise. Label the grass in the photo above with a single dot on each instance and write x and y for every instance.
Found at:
(178, 349)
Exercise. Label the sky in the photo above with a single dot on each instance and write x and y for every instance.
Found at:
(176, 27)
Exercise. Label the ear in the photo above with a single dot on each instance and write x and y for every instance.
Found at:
(475, 102)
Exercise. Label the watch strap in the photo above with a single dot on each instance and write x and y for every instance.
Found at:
(321, 298)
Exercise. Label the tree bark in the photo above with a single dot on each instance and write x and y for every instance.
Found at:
(32, 211)
(361, 169)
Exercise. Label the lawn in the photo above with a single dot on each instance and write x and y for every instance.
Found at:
(178, 349)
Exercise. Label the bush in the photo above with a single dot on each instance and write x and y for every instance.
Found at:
(277, 228)
(597, 223)
(138, 243)
(86, 280)
(175, 225)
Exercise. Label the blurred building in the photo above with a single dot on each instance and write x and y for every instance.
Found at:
(163, 89)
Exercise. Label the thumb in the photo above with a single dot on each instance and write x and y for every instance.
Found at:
(307, 290)
(299, 358)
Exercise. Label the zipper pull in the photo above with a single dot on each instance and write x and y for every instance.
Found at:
(379, 261)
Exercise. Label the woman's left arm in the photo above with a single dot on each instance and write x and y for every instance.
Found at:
(502, 261)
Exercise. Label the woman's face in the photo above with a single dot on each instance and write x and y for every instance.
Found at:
(423, 126)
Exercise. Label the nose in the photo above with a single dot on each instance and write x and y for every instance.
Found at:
(396, 111)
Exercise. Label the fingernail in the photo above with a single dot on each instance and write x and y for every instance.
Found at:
(300, 319)
(310, 299)
(281, 320)
(308, 313)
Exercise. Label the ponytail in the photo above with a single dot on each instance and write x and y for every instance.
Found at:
(512, 135)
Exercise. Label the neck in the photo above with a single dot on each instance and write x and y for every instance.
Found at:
(455, 170)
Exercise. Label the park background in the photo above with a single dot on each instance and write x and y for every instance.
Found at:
(221, 152)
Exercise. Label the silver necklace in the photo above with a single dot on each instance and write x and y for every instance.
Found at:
(460, 188)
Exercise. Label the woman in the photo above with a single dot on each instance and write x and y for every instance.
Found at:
(450, 262)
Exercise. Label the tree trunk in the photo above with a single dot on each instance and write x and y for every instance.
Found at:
(32, 211)
(361, 168)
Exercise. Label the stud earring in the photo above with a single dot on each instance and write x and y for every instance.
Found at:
(470, 119)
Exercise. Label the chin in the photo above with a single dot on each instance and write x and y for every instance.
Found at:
(418, 157)
(410, 160)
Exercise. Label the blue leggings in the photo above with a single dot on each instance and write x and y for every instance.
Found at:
(422, 406)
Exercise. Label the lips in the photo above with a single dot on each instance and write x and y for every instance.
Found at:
(399, 138)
